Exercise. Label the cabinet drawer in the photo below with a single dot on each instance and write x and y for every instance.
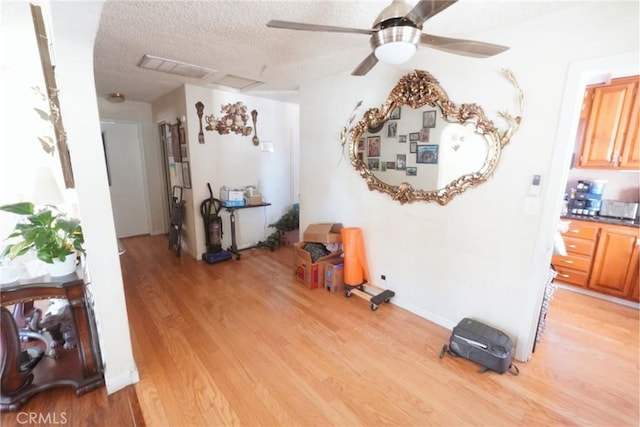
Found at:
(568, 275)
(574, 262)
(577, 245)
(582, 230)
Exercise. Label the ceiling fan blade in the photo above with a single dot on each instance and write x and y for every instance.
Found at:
(472, 48)
(425, 9)
(366, 65)
(288, 25)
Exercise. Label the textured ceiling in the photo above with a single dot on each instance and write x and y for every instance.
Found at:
(232, 37)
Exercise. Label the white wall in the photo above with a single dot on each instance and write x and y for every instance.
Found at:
(73, 42)
(234, 161)
(481, 255)
(140, 112)
(20, 125)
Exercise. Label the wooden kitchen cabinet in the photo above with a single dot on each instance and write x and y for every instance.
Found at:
(580, 242)
(610, 138)
(615, 264)
(634, 275)
(630, 158)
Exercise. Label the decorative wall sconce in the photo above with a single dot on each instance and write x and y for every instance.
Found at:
(234, 120)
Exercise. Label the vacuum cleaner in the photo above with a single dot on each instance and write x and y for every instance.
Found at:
(210, 209)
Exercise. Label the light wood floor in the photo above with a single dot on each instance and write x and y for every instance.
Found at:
(243, 343)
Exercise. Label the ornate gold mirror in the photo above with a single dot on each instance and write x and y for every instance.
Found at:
(420, 146)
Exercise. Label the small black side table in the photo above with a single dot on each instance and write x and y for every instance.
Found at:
(232, 217)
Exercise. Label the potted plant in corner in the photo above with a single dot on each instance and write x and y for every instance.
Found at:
(55, 238)
(288, 223)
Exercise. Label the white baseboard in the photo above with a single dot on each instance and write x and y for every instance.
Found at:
(432, 317)
(120, 381)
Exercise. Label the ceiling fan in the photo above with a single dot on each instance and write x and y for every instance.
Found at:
(397, 31)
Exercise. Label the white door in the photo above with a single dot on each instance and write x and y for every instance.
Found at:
(123, 153)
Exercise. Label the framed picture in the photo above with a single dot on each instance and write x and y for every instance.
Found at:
(373, 146)
(392, 130)
(402, 138)
(374, 164)
(429, 119)
(401, 161)
(360, 144)
(427, 154)
(412, 171)
(395, 114)
(413, 147)
(391, 165)
(424, 134)
(183, 151)
(383, 166)
(186, 175)
(414, 136)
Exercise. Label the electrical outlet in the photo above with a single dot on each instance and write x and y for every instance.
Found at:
(383, 277)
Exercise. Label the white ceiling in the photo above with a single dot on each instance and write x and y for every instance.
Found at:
(231, 37)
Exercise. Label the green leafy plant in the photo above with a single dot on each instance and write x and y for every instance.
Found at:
(287, 222)
(47, 231)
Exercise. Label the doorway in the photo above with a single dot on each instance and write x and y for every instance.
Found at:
(125, 171)
(579, 75)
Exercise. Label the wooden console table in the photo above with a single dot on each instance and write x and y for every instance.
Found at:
(232, 218)
(79, 366)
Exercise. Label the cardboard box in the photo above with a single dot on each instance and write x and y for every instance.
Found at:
(310, 275)
(323, 233)
(308, 272)
(231, 194)
(253, 200)
(334, 275)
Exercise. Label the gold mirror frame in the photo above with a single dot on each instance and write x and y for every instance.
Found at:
(416, 90)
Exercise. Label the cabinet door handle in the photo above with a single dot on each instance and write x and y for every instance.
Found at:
(566, 276)
(573, 230)
(567, 261)
(572, 246)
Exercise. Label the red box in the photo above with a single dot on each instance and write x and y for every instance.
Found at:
(310, 275)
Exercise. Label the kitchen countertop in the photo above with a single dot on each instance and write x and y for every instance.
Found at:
(603, 220)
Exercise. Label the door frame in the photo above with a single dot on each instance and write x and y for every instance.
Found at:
(579, 74)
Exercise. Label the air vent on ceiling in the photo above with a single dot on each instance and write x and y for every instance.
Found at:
(236, 82)
(174, 67)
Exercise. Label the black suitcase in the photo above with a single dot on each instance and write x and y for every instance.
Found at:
(482, 344)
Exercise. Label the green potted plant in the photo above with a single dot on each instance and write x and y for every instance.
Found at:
(288, 222)
(54, 237)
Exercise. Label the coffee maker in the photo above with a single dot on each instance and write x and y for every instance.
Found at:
(586, 198)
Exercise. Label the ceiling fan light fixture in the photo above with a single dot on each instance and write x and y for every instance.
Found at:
(395, 53)
(395, 45)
